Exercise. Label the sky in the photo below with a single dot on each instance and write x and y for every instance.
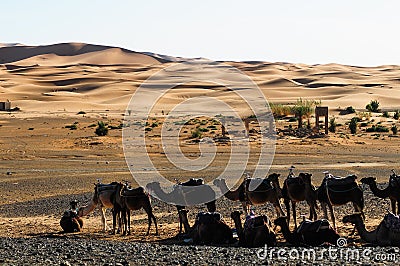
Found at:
(352, 32)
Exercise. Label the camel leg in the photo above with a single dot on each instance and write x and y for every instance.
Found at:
(155, 223)
(278, 208)
(128, 214)
(103, 218)
(324, 210)
(294, 214)
(398, 207)
(114, 213)
(332, 215)
(245, 208)
(287, 204)
(393, 205)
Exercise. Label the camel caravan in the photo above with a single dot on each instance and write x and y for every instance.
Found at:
(210, 228)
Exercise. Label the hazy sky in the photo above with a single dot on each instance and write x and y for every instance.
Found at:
(356, 32)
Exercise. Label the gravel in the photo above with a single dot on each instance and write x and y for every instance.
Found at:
(74, 251)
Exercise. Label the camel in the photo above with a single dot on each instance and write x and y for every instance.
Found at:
(265, 192)
(102, 198)
(383, 235)
(257, 231)
(182, 192)
(297, 189)
(310, 233)
(392, 191)
(336, 191)
(70, 222)
(126, 200)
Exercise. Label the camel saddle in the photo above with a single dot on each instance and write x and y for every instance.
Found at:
(313, 226)
(133, 192)
(394, 180)
(260, 181)
(193, 182)
(294, 181)
(253, 222)
(341, 181)
(105, 187)
(208, 217)
(392, 222)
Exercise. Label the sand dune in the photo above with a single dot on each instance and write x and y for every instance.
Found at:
(77, 76)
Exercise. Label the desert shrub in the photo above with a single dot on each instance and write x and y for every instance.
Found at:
(196, 134)
(304, 108)
(72, 127)
(353, 125)
(373, 106)
(202, 129)
(378, 128)
(102, 129)
(394, 129)
(154, 124)
(385, 114)
(363, 124)
(350, 110)
(292, 119)
(212, 127)
(396, 114)
(332, 125)
(148, 129)
(280, 110)
(364, 115)
(81, 112)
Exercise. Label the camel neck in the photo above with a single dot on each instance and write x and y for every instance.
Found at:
(369, 237)
(289, 236)
(380, 193)
(230, 194)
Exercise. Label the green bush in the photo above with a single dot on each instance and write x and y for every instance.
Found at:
(102, 129)
(350, 110)
(332, 125)
(196, 134)
(373, 106)
(385, 114)
(396, 115)
(353, 125)
(394, 129)
(202, 129)
(378, 128)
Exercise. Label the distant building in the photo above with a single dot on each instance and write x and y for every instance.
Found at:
(5, 106)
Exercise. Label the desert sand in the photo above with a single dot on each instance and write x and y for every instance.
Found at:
(44, 165)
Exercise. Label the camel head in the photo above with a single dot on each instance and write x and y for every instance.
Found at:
(306, 177)
(274, 177)
(353, 218)
(368, 180)
(235, 215)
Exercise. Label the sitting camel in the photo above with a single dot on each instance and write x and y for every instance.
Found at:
(311, 233)
(102, 198)
(336, 191)
(257, 231)
(297, 189)
(183, 192)
(70, 222)
(265, 192)
(386, 234)
(392, 191)
(209, 228)
(126, 200)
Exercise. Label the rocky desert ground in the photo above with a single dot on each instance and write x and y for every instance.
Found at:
(45, 162)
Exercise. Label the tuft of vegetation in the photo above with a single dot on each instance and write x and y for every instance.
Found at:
(280, 110)
(373, 106)
(332, 125)
(385, 114)
(196, 134)
(350, 110)
(202, 129)
(304, 108)
(72, 127)
(102, 129)
(353, 125)
(378, 128)
(394, 129)
(396, 114)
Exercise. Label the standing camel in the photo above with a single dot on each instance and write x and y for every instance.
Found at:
(102, 198)
(297, 189)
(257, 231)
(336, 191)
(183, 192)
(265, 192)
(126, 200)
(392, 191)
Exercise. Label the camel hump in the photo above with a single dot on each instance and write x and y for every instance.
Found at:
(208, 217)
(341, 181)
(133, 192)
(193, 182)
(313, 226)
(392, 222)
